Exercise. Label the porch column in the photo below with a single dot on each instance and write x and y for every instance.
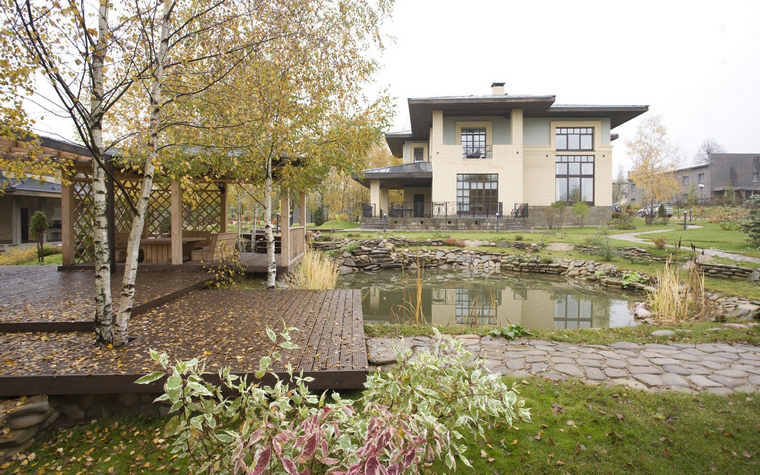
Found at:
(302, 210)
(67, 224)
(384, 199)
(374, 196)
(285, 229)
(224, 208)
(176, 203)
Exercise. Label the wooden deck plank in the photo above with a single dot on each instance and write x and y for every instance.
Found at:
(313, 334)
(225, 327)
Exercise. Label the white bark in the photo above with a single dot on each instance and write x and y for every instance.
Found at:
(121, 326)
(103, 303)
(271, 263)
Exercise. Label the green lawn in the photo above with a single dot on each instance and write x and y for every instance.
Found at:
(576, 428)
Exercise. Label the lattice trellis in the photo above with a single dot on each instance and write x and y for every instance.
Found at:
(122, 212)
(84, 247)
(202, 210)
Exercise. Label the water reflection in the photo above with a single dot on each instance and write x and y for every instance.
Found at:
(496, 300)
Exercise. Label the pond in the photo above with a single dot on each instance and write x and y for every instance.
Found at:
(497, 300)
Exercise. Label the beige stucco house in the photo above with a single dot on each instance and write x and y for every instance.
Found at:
(472, 160)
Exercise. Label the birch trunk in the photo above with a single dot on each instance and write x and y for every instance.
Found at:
(271, 264)
(103, 303)
(121, 326)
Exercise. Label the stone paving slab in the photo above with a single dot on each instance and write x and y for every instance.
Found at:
(717, 368)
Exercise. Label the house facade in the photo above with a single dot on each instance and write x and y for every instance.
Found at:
(723, 173)
(19, 200)
(482, 158)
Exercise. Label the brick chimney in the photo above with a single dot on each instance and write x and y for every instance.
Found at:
(497, 89)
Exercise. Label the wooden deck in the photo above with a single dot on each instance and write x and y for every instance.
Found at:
(223, 327)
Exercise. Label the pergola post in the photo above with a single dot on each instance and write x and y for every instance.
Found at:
(223, 224)
(176, 233)
(285, 229)
(67, 224)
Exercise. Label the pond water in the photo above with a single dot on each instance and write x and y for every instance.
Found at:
(497, 300)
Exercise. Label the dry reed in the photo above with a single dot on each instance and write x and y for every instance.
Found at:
(676, 299)
(316, 272)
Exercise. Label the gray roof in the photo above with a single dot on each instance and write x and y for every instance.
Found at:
(399, 176)
(12, 185)
(421, 112)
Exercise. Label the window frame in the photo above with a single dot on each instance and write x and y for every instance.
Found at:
(572, 173)
(474, 141)
(567, 132)
(469, 189)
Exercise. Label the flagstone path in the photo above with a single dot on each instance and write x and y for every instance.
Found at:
(717, 368)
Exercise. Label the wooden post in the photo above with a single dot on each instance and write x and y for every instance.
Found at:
(67, 224)
(223, 227)
(285, 229)
(176, 193)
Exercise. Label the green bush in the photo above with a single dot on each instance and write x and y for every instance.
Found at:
(751, 226)
(579, 211)
(318, 216)
(621, 221)
(419, 411)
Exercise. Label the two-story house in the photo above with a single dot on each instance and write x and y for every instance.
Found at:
(470, 160)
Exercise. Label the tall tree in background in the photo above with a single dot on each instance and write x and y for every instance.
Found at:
(618, 185)
(654, 160)
(708, 146)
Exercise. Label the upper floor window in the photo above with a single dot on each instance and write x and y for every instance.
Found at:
(701, 177)
(418, 154)
(685, 180)
(754, 176)
(474, 143)
(633, 186)
(575, 138)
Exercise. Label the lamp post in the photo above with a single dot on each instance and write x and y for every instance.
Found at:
(497, 222)
(385, 220)
(701, 187)
(684, 219)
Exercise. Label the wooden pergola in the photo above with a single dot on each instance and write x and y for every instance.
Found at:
(170, 215)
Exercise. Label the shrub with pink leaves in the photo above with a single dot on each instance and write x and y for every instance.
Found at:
(417, 412)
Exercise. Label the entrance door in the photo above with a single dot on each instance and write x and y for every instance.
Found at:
(419, 206)
(24, 224)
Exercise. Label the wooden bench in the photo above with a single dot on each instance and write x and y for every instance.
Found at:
(220, 246)
(204, 235)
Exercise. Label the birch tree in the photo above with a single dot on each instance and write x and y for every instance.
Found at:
(298, 101)
(654, 160)
(68, 45)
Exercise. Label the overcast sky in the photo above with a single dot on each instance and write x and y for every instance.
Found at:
(695, 63)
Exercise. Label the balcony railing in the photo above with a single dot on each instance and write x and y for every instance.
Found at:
(477, 152)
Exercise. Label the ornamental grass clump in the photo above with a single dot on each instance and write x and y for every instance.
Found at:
(316, 272)
(416, 413)
(676, 299)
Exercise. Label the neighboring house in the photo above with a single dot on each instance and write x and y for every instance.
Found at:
(739, 172)
(19, 200)
(471, 157)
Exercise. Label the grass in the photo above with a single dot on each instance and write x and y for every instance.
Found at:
(694, 332)
(586, 429)
(576, 428)
(336, 224)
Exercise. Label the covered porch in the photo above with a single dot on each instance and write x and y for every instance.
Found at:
(414, 179)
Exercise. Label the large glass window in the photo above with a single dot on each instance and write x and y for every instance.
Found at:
(478, 193)
(474, 143)
(575, 138)
(574, 178)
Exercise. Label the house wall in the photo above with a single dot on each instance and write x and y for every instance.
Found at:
(539, 167)
(506, 162)
(6, 219)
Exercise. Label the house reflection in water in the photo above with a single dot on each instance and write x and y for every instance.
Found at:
(532, 303)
